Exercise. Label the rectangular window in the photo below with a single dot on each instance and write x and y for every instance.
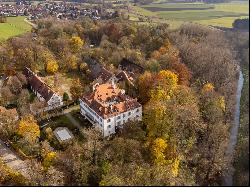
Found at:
(118, 117)
(124, 115)
(109, 126)
(108, 120)
(137, 110)
(129, 113)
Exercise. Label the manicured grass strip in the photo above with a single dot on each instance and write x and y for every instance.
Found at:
(14, 26)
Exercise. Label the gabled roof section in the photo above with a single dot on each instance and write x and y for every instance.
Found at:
(38, 85)
(98, 71)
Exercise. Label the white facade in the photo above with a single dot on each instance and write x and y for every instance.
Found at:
(54, 102)
(110, 80)
(108, 126)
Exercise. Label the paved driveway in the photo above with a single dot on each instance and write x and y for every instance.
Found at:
(12, 160)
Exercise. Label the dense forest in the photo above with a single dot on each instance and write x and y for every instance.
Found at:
(187, 92)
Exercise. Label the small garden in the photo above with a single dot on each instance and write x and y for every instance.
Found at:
(63, 121)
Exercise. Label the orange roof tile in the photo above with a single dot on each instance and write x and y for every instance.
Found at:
(107, 100)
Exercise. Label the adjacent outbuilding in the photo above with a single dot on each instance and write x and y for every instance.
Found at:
(63, 134)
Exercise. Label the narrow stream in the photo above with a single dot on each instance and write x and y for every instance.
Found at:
(228, 178)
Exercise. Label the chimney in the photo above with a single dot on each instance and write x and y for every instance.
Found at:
(111, 108)
(113, 84)
(95, 86)
(122, 92)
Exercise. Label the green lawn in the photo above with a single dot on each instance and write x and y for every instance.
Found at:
(15, 26)
(221, 14)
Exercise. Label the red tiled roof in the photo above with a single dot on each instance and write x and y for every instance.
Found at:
(107, 100)
(38, 85)
(98, 71)
(105, 75)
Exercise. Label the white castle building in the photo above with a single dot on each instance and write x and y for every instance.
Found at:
(108, 108)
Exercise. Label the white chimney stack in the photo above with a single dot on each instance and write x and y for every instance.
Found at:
(113, 83)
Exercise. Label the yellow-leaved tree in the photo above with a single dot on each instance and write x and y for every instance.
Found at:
(76, 43)
(167, 82)
(157, 150)
(29, 129)
(208, 87)
(52, 66)
(220, 103)
(175, 166)
(72, 62)
(49, 159)
(170, 77)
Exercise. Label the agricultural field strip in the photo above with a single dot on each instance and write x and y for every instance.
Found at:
(222, 14)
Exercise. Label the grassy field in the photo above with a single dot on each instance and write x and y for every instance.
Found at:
(14, 26)
(221, 14)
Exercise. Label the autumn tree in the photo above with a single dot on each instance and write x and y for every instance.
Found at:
(6, 96)
(10, 177)
(72, 62)
(76, 89)
(49, 159)
(21, 77)
(39, 176)
(52, 66)
(8, 122)
(76, 43)
(113, 31)
(145, 83)
(214, 141)
(23, 98)
(29, 129)
(157, 149)
(14, 84)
